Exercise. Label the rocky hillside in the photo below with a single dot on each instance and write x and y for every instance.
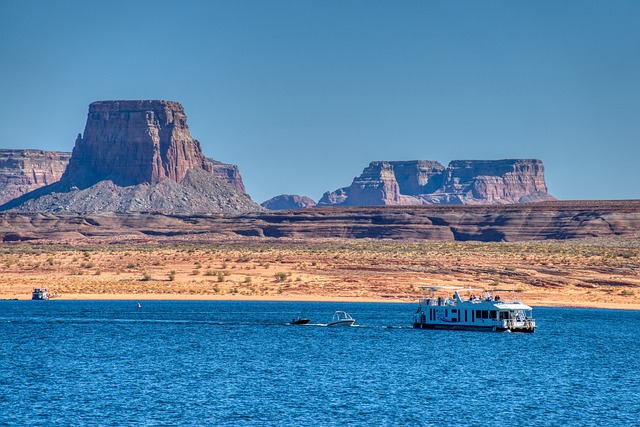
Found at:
(22, 171)
(139, 156)
(288, 202)
(423, 182)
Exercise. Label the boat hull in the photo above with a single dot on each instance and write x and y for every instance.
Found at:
(342, 323)
(300, 322)
(458, 327)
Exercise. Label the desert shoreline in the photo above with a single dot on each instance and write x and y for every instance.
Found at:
(308, 298)
(590, 273)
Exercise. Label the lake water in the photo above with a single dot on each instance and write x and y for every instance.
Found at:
(192, 363)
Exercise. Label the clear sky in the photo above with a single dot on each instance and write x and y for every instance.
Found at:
(303, 94)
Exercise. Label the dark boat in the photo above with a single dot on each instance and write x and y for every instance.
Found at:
(300, 321)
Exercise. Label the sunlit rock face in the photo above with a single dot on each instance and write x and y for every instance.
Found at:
(22, 171)
(421, 182)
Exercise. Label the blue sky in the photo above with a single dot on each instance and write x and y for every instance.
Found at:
(302, 95)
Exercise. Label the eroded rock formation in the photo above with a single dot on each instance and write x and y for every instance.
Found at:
(228, 173)
(288, 202)
(428, 182)
(139, 156)
(22, 171)
(135, 142)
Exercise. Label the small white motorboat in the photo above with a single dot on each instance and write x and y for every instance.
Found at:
(341, 318)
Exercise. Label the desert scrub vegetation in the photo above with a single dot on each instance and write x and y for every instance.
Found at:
(334, 268)
(281, 276)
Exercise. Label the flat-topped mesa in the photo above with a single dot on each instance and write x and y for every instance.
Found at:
(388, 183)
(495, 181)
(420, 182)
(135, 142)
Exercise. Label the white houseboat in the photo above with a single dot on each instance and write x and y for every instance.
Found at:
(467, 311)
(40, 294)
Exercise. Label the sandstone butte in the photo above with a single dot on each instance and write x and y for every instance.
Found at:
(139, 156)
(136, 142)
(426, 182)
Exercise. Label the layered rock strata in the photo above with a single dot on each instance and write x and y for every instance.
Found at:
(139, 156)
(288, 202)
(22, 171)
(489, 223)
(421, 182)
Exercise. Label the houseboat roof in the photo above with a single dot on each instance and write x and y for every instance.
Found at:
(511, 306)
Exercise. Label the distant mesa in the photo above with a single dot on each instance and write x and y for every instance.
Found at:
(288, 202)
(22, 171)
(139, 156)
(426, 182)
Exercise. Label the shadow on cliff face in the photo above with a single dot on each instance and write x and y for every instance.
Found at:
(478, 235)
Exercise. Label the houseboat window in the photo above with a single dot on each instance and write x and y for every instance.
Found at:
(494, 314)
(485, 314)
(446, 312)
(479, 314)
(473, 317)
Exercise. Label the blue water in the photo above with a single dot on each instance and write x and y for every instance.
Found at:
(189, 363)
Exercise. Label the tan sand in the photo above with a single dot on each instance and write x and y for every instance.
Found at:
(581, 273)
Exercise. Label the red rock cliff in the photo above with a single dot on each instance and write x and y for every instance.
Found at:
(22, 171)
(136, 142)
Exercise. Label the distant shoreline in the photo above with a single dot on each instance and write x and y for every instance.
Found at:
(309, 298)
(596, 273)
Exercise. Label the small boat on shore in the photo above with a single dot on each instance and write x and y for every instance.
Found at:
(341, 318)
(299, 321)
(40, 294)
(470, 312)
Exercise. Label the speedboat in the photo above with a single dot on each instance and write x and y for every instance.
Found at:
(299, 321)
(467, 311)
(341, 318)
